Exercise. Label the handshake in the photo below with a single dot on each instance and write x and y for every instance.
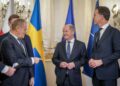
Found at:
(36, 60)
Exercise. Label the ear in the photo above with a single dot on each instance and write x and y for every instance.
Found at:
(9, 24)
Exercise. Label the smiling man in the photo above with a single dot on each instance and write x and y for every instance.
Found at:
(68, 57)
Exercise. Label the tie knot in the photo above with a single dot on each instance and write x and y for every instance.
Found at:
(100, 29)
(20, 41)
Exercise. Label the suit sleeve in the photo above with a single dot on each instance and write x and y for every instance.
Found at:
(82, 57)
(1, 66)
(56, 57)
(10, 56)
(116, 49)
(28, 45)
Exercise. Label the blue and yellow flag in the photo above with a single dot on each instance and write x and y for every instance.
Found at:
(88, 70)
(35, 33)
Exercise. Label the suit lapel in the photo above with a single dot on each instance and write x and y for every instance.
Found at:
(25, 49)
(105, 35)
(73, 50)
(16, 43)
(64, 49)
(95, 40)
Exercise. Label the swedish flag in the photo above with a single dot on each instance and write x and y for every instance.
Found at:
(35, 33)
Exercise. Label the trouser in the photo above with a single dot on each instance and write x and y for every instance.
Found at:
(97, 82)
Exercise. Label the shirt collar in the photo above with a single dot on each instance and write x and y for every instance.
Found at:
(14, 36)
(105, 26)
(72, 40)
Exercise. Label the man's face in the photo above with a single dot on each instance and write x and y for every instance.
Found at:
(97, 17)
(68, 33)
(22, 31)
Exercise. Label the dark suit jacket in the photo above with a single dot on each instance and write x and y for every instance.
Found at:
(1, 38)
(107, 49)
(30, 52)
(12, 53)
(28, 47)
(1, 66)
(77, 56)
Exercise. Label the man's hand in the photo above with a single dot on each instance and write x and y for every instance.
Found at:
(95, 63)
(36, 60)
(10, 71)
(63, 65)
(71, 65)
(91, 63)
(31, 82)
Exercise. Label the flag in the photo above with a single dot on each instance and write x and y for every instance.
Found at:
(10, 11)
(70, 16)
(88, 70)
(35, 33)
(1, 33)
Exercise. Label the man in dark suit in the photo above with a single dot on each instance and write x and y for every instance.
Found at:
(14, 54)
(26, 39)
(68, 57)
(10, 20)
(106, 50)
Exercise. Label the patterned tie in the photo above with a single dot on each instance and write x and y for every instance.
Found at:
(68, 50)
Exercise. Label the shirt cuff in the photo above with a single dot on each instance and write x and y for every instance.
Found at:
(32, 60)
(15, 65)
(5, 69)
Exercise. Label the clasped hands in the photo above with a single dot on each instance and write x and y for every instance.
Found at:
(95, 63)
(69, 66)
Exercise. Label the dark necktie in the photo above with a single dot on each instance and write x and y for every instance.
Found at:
(98, 37)
(68, 50)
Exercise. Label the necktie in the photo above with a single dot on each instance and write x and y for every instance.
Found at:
(98, 37)
(21, 44)
(68, 50)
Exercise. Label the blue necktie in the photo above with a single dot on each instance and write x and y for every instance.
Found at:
(68, 50)
(23, 47)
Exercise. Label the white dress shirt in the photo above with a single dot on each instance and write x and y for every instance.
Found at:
(71, 44)
(104, 27)
(5, 69)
